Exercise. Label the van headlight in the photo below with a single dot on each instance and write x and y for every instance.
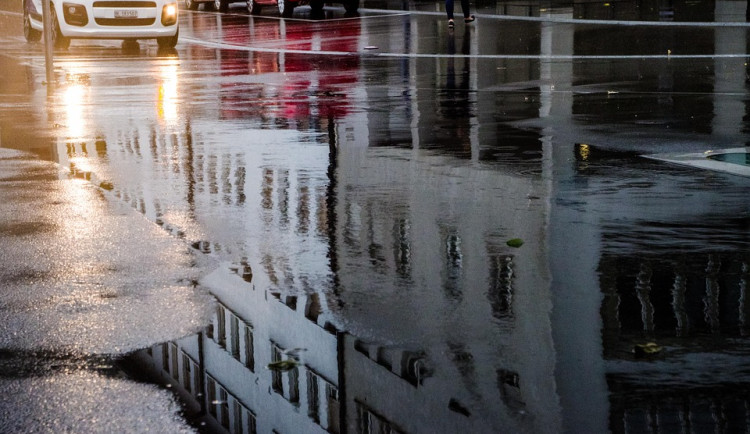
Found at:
(169, 14)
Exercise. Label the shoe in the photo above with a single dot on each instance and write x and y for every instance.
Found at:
(469, 19)
(451, 23)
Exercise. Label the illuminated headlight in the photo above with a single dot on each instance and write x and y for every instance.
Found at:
(75, 14)
(169, 14)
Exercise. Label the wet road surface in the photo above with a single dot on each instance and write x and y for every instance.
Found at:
(345, 188)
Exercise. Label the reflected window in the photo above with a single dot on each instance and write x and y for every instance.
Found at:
(223, 403)
(187, 375)
(369, 422)
(237, 416)
(313, 307)
(165, 357)
(250, 424)
(249, 349)
(291, 302)
(500, 292)
(289, 389)
(334, 408)
(234, 334)
(229, 411)
(239, 342)
(453, 265)
(313, 397)
(243, 421)
(191, 376)
(402, 248)
(173, 366)
(324, 410)
(276, 379)
(294, 385)
(221, 327)
(210, 331)
(266, 191)
(211, 395)
(509, 384)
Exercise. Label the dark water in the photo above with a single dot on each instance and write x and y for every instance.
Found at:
(358, 210)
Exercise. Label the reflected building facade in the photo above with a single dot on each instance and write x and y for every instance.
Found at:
(367, 249)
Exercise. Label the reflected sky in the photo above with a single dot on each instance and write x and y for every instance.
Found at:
(359, 208)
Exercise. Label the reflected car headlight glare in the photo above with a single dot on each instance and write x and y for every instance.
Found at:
(169, 14)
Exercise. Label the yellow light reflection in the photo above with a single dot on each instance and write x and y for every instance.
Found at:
(584, 151)
(73, 97)
(80, 167)
(167, 103)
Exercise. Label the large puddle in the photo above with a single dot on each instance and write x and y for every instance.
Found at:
(361, 212)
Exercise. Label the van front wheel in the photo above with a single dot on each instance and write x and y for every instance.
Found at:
(168, 41)
(31, 34)
(58, 39)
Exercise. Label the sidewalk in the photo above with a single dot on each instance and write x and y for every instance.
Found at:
(83, 281)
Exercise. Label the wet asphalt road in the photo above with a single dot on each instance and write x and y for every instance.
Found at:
(340, 192)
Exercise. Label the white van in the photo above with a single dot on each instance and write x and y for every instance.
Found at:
(104, 19)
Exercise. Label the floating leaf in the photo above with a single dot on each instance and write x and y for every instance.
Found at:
(283, 365)
(515, 242)
(647, 349)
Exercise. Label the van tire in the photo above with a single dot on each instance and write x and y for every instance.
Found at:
(221, 5)
(253, 7)
(168, 41)
(31, 34)
(58, 39)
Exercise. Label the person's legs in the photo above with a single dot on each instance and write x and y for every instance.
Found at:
(468, 17)
(449, 8)
(465, 8)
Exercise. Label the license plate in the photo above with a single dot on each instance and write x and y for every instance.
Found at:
(126, 13)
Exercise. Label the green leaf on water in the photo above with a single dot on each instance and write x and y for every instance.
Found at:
(647, 349)
(283, 365)
(515, 242)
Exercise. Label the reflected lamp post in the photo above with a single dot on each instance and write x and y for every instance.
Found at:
(47, 20)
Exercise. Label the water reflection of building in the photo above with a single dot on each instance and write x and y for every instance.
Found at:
(492, 370)
(495, 338)
(223, 375)
(673, 294)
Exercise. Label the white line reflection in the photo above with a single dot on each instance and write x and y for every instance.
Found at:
(224, 45)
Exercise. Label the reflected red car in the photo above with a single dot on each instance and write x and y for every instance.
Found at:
(315, 86)
(286, 7)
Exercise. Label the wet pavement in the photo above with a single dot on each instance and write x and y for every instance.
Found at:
(304, 225)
